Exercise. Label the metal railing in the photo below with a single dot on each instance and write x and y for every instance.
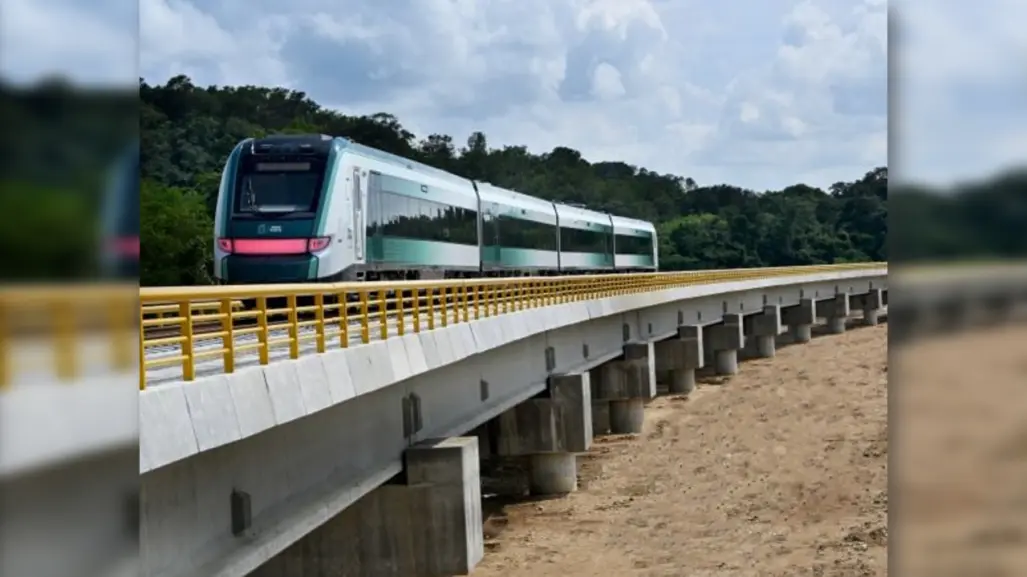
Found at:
(339, 315)
(60, 332)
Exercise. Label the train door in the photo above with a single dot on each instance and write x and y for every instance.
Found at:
(359, 192)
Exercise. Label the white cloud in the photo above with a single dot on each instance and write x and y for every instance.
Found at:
(606, 82)
(761, 94)
(961, 110)
(90, 44)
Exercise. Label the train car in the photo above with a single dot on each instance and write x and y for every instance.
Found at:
(519, 233)
(310, 208)
(634, 245)
(422, 223)
(586, 240)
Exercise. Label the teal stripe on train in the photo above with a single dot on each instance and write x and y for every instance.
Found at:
(405, 251)
(634, 260)
(527, 258)
(585, 260)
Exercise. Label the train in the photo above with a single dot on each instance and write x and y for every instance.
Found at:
(119, 222)
(318, 208)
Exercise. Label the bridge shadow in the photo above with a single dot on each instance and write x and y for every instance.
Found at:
(504, 486)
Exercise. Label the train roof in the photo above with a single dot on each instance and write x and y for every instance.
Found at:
(622, 223)
(566, 211)
(342, 144)
(492, 193)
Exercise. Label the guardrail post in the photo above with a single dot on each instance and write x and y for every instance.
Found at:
(294, 329)
(383, 314)
(185, 310)
(401, 323)
(365, 318)
(344, 319)
(263, 336)
(319, 324)
(227, 341)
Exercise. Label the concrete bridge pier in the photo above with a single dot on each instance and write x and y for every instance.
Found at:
(625, 384)
(551, 429)
(871, 304)
(800, 319)
(600, 407)
(725, 340)
(680, 357)
(766, 326)
(426, 522)
(836, 310)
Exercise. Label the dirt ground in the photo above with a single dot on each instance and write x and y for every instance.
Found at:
(778, 471)
(961, 432)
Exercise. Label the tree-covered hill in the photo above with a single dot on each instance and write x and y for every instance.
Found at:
(188, 131)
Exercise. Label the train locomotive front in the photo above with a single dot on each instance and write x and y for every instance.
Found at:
(272, 220)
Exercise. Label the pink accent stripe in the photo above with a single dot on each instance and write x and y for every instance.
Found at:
(270, 246)
(128, 246)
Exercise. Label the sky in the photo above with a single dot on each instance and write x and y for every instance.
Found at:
(761, 94)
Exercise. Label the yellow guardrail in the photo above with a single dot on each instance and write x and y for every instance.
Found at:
(164, 310)
(338, 314)
(60, 329)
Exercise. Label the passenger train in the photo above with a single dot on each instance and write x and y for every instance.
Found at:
(119, 255)
(311, 208)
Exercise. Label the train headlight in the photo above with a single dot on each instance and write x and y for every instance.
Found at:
(318, 244)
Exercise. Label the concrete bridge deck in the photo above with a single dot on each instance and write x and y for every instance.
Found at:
(238, 467)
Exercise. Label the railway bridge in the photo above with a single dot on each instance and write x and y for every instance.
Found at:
(345, 428)
(319, 438)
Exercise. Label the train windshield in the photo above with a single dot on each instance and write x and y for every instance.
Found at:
(278, 189)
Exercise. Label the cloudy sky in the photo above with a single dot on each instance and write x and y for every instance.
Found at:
(759, 93)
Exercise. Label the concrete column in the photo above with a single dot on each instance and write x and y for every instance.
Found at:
(765, 328)
(836, 311)
(553, 473)
(682, 381)
(766, 346)
(679, 357)
(836, 325)
(871, 303)
(871, 317)
(551, 429)
(725, 362)
(600, 418)
(800, 319)
(725, 340)
(425, 524)
(627, 416)
(626, 383)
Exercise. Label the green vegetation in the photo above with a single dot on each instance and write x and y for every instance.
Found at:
(61, 141)
(187, 132)
(58, 145)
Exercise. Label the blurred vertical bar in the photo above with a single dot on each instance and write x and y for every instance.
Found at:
(69, 200)
(958, 256)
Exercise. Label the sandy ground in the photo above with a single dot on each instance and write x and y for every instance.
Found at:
(778, 471)
(961, 432)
